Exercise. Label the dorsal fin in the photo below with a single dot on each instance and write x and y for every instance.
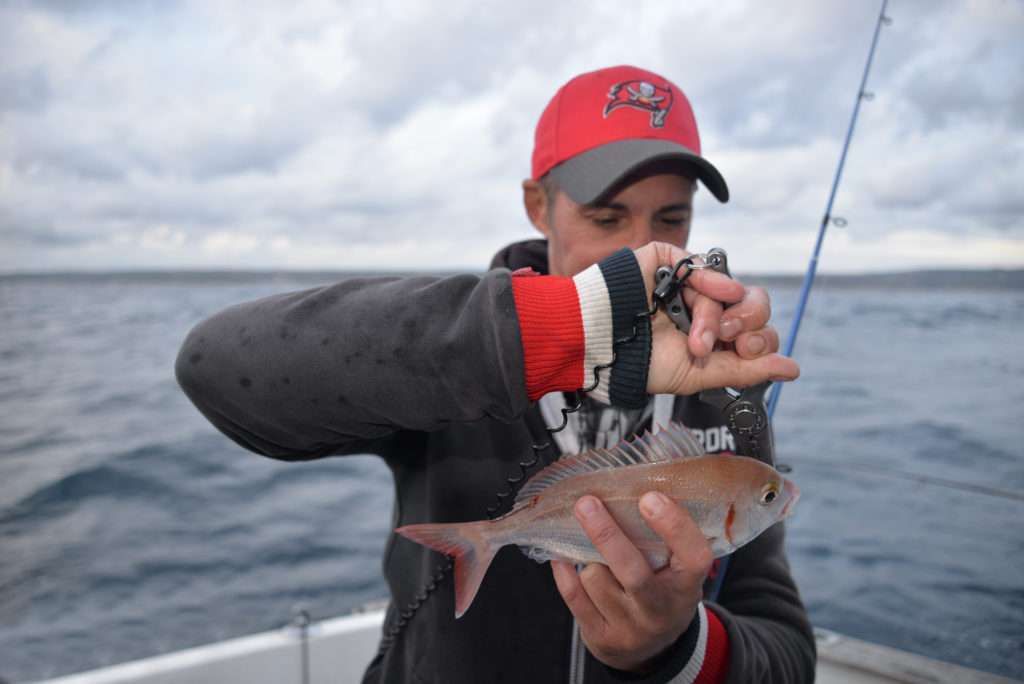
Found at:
(669, 444)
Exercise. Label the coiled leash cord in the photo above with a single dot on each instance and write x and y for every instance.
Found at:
(667, 280)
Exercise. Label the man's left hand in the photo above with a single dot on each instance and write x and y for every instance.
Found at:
(725, 347)
(628, 613)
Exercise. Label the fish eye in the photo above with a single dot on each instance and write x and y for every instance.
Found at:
(769, 493)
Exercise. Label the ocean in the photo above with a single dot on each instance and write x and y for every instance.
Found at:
(129, 527)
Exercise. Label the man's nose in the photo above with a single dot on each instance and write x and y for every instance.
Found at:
(642, 232)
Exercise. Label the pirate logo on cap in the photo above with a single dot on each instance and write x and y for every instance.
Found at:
(641, 95)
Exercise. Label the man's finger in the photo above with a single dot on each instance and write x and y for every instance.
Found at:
(752, 313)
(607, 593)
(626, 563)
(728, 369)
(715, 285)
(758, 343)
(691, 554)
(707, 315)
(575, 596)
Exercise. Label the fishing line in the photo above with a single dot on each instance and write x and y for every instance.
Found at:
(969, 487)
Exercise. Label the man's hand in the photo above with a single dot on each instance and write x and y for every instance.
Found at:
(628, 613)
(687, 364)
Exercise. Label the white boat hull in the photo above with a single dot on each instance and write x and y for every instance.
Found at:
(339, 649)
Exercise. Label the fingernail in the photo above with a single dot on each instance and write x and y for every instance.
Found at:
(708, 338)
(756, 344)
(730, 327)
(653, 503)
(587, 506)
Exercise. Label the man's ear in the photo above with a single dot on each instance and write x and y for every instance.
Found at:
(535, 201)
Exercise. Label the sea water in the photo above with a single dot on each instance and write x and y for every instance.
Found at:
(129, 527)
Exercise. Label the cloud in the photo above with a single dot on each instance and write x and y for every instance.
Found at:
(40, 236)
(25, 91)
(325, 135)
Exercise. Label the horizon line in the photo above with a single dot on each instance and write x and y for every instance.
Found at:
(231, 270)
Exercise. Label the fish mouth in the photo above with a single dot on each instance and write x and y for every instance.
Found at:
(794, 496)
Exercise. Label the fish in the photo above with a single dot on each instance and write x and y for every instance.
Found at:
(733, 499)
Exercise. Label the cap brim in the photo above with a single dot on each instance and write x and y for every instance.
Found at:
(587, 176)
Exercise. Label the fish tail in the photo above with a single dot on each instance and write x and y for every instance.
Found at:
(468, 544)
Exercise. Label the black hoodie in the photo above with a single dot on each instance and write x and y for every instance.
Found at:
(428, 373)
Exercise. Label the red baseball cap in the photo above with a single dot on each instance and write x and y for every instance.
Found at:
(605, 124)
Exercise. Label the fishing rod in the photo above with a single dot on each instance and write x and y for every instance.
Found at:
(812, 268)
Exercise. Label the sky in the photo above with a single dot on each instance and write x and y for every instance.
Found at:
(395, 135)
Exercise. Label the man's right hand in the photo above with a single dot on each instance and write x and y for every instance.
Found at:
(687, 364)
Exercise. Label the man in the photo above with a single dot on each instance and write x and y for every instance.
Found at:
(451, 380)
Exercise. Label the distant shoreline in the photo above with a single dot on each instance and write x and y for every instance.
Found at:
(999, 279)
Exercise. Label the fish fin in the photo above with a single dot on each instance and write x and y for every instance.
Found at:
(669, 444)
(467, 544)
(680, 441)
(536, 553)
(542, 555)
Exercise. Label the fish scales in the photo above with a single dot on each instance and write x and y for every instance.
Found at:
(732, 499)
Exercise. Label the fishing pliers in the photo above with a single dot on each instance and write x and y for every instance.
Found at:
(744, 410)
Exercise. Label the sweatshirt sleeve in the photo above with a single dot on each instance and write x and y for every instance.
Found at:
(332, 369)
(770, 640)
(699, 656)
(595, 316)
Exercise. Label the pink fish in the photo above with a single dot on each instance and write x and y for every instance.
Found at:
(732, 499)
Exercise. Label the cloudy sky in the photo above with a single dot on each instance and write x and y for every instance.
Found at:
(395, 134)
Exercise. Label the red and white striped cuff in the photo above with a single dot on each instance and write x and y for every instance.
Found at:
(596, 312)
(568, 326)
(707, 663)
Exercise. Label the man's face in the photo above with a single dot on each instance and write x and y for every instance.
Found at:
(656, 208)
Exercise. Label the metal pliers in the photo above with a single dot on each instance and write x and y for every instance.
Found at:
(745, 411)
